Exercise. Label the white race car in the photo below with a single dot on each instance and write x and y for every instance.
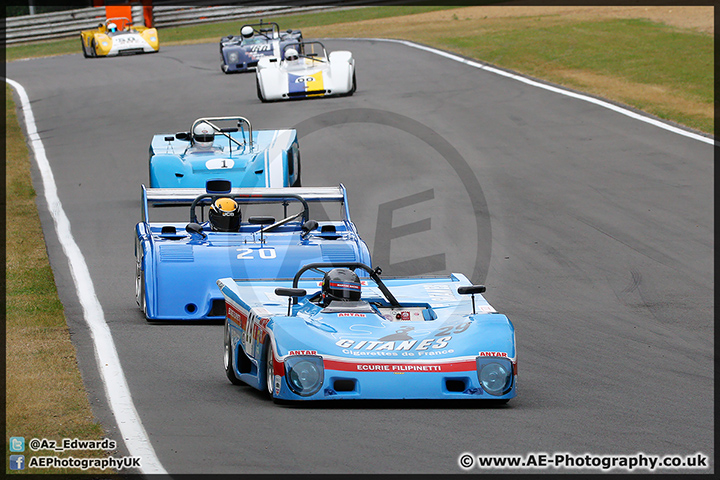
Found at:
(306, 71)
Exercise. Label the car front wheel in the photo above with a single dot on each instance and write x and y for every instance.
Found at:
(228, 359)
(259, 92)
(269, 369)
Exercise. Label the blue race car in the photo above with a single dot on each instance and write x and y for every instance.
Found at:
(256, 40)
(234, 232)
(227, 148)
(343, 336)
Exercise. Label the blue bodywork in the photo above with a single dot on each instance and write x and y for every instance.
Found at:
(241, 53)
(179, 262)
(426, 342)
(246, 157)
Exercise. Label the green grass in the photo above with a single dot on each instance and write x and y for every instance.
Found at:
(638, 50)
(45, 396)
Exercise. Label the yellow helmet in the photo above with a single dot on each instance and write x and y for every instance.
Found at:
(225, 215)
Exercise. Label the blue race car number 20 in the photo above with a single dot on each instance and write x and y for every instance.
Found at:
(249, 253)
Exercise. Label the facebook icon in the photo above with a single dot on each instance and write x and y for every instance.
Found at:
(17, 462)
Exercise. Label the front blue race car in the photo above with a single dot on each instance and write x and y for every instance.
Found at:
(428, 342)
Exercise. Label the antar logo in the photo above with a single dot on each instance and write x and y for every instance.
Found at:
(259, 48)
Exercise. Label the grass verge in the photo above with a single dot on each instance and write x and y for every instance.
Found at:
(44, 393)
(660, 69)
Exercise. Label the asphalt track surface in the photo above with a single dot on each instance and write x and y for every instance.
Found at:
(592, 231)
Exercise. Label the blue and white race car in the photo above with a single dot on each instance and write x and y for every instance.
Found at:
(348, 336)
(227, 148)
(306, 71)
(247, 233)
(256, 40)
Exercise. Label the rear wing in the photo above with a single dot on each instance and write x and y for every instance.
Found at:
(185, 196)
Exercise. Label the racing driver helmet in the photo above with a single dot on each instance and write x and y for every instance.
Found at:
(340, 284)
(291, 55)
(225, 215)
(203, 135)
(111, 27)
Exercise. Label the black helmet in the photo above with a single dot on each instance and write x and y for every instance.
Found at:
(225, 215)
(340, 284)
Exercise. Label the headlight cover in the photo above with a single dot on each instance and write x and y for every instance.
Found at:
(495, 375)
(304, 374)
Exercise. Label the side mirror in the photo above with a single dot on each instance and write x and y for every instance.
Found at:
(183, 136)
(293, 293)
(309, 226)
(258, 220)
(195, 228)
(472, 290)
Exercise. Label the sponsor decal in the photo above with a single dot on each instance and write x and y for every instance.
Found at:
(351, 286)
(439, 293)
(236, 316)
(126, 40)
(260, 48)
(348, 314)
(394, 345)
(451, 366)
(492, 354)
(277, 384)
(302, 352)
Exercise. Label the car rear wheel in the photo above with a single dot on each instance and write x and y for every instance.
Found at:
(354, 85)
(228, 359)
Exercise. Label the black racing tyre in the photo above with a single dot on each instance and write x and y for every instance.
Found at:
(82, 44)
(269, 369)
(140, 288)
(259, 91)
(93, 52)
(354, 85)
(228, 359)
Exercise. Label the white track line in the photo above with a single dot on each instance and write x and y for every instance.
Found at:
(520, 78)
(116, 388)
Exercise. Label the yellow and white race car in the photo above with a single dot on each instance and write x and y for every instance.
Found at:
(118, 36)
